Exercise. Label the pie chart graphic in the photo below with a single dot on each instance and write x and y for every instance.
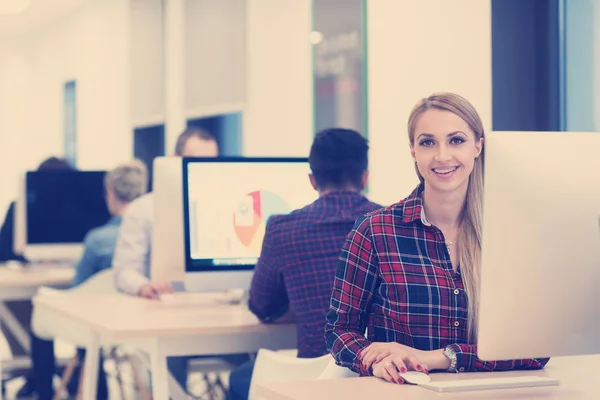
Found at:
(251, 215)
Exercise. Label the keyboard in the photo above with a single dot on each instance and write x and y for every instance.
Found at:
(198, 299)
(489, 383)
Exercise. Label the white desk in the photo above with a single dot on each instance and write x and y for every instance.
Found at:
(162, 330)
(22, 283)
(579, 379)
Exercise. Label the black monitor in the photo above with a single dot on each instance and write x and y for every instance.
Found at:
(61, 207)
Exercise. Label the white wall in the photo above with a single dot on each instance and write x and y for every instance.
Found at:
(215, 57)
(416, 48)
(147, 62)
(89, 46)
(95, 54)
(597, 65)
(279, 105)
(18, 149)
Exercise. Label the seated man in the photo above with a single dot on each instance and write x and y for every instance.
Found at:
(300, 251)
(132, 254)
(123, 184)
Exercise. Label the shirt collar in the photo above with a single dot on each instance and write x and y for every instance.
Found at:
(342, 193)
(412, 208)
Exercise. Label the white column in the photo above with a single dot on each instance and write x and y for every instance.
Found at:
(278, 118)
(174, 71)
(596, 40)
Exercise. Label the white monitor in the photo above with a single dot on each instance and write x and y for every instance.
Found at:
(54, 212)
(540, 276)
(167, 259)
(227, 202)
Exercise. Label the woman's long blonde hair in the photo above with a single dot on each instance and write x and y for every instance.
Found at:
(469, 233)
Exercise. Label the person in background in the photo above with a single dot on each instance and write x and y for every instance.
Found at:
(408, 274)
(21, 309)
(122, 185)
(300, 250)
(132, 253)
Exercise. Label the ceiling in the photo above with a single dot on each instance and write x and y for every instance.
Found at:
(37, 16)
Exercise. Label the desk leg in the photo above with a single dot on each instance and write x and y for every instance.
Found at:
(15, 327)
(90, 370)
(160, 375)
(1, 375)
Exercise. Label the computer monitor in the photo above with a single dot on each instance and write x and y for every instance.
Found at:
(227, 202)
(54, 212)
(540, 273)
(167, 259)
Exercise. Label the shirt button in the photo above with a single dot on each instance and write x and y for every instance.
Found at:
(462, 369)
(456, 323)
(456, 291)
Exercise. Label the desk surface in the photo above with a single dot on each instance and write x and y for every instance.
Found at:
(124, 316)
(578, 380)
(35, 276)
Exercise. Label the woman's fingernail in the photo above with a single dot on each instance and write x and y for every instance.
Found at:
(403, 370)
(419, 368)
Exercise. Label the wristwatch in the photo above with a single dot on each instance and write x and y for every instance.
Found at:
(450, 355)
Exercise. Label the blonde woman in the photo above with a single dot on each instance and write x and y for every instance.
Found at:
(409, 273)
(123, 184)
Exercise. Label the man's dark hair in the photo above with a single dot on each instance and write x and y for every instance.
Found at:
(191, 132)
(55, 164)
(339, 158)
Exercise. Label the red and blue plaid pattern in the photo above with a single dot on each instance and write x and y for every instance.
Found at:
(298, 261)
(395, 280)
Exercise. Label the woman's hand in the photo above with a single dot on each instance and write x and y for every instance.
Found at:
(393, 356)
(387, 371)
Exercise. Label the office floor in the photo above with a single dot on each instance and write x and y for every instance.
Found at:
(196, 382)
(197, 387)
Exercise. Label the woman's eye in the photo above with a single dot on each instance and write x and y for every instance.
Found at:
(457, 140)
(426, 142)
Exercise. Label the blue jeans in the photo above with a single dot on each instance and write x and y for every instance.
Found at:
(239, 381)
(178, 367)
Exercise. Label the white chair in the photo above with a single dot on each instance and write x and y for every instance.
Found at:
(45, 327)
(273, 366)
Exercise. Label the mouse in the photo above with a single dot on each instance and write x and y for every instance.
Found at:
(415, 377)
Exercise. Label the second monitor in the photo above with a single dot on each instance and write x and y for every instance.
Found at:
(227, 203)
(540, 265)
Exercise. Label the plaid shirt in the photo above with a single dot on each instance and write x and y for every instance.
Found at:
(395, 279)
(298, 261)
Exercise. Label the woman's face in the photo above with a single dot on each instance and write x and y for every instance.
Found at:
(445, 148)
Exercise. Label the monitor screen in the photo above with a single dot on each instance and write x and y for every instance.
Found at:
(62, 206)
(227, 202)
